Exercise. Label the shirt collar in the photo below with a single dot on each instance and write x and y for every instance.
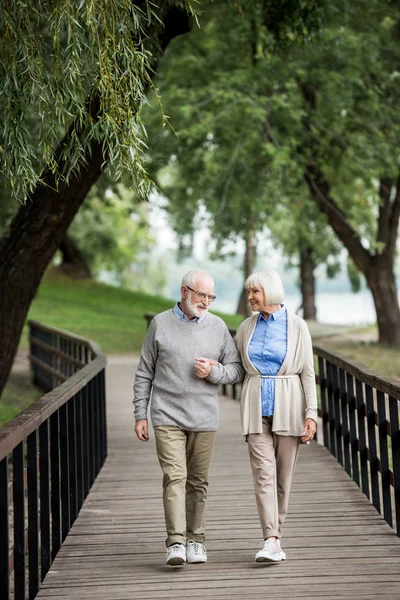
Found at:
(181, 315)
(275, 315)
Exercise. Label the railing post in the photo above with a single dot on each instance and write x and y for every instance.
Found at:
(395, 435)
(19, 521)
(338, 418)
(55, 485)
(33, 515)
(44, 499)
(362, 442)
(384, 458)
(324, 406)
(4, 533)
(353, 429)
(331, 414)
(345, 421)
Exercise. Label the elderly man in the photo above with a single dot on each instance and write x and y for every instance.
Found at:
(184, 407)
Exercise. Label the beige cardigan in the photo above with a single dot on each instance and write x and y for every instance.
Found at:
(295, 391)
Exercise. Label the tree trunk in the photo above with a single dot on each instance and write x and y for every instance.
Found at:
(307, 284)
(244, 307)
(28, 247)
(377, 269)
(381, 281)
(73, 262)
(40, 225)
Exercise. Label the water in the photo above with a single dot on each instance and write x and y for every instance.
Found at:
(340, 308)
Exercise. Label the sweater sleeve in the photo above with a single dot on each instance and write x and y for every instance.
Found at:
(145, 374)
(230, 369)
(307, 375)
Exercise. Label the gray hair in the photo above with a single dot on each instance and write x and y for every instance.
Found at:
(269, 281)
(191, 276)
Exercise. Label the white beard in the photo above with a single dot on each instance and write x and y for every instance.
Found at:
(194, 308)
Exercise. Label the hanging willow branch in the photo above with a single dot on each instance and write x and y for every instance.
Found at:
(55, 57)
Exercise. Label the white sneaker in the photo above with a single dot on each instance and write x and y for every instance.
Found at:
(195, 552)
(283, 554)
(176, 555)
(270, 553)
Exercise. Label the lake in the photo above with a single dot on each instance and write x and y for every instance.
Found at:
(339, 308)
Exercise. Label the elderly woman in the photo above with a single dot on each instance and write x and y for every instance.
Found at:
(278, 402)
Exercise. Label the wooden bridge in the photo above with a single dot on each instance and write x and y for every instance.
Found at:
(337, 544)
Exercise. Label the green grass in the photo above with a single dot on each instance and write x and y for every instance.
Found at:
(381, 359)
(17, 395)
(110, 316)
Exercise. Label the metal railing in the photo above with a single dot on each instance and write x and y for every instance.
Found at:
(360, 422)
(360, 426)
(50, 455)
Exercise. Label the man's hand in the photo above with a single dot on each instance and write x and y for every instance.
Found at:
(202, 367)
(142, 430)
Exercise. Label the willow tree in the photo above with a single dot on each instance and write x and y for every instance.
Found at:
(85, 68)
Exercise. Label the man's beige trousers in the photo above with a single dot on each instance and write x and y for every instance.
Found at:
(273, 459)
(185, 458)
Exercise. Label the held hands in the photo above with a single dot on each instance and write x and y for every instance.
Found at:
(202, 366)
(142, 430)
(310, 427)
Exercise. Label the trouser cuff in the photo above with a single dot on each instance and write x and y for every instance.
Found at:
(271, 533)
(175, 539)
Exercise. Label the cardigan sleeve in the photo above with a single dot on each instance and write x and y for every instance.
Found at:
(307, 375)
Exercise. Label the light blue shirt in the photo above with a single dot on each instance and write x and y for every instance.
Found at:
(267, 351)
(179, 314)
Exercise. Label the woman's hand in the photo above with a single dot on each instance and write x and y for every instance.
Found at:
(310, 427)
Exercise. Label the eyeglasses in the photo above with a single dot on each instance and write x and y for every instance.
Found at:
(202, 295)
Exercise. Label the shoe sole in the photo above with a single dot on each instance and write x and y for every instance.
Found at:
(263, 559)
(176, 562)
(196, 562)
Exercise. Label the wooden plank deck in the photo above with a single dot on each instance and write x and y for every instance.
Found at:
(336, 543)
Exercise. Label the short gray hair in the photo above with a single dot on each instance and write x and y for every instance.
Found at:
(269, 281)
(191, 276)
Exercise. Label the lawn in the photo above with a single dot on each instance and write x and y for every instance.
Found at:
(381, 359)
(110, 316)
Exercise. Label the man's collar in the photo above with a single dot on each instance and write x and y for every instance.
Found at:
(183, 317)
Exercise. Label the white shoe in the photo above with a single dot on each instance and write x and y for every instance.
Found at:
(270, 553)
(283, 554)
(176, 555)
(195, 552)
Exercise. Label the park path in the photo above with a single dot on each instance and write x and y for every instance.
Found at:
(336, 543)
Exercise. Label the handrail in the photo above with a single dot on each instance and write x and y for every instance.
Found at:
(56, 448)
(18, 429)
(382, 383)
(360, 425)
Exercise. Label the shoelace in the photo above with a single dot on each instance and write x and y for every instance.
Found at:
(174, 547)
(196, 547)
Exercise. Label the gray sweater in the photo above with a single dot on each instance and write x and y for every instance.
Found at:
(166, 371)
